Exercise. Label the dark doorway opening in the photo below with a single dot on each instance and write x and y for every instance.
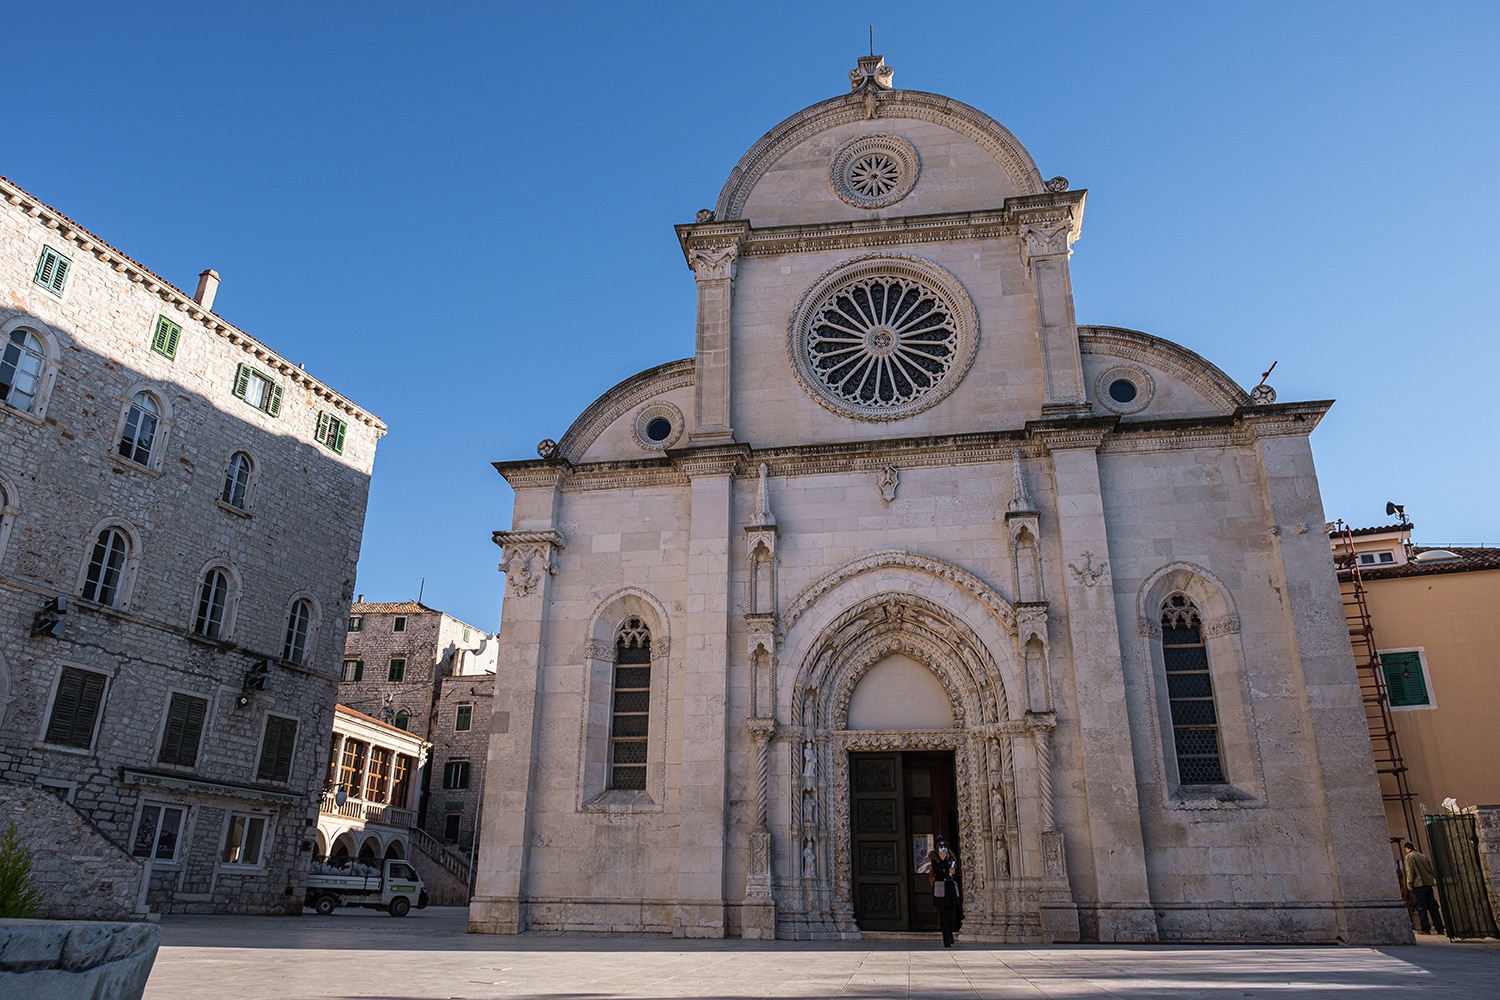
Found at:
(900, 803)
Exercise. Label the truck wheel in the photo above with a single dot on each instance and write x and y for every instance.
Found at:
(400, 906)
(324, 905)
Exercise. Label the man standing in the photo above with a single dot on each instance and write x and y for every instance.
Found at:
(1421, 881)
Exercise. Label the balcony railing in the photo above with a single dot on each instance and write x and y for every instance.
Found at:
(369, 812)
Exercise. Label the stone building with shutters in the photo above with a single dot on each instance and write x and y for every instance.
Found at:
(426, 672)
(902, 551)
(180, 516)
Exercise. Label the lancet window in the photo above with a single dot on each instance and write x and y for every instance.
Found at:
(1190, 692)
(631, 710)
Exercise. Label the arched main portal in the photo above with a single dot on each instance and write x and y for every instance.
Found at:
(962, 695)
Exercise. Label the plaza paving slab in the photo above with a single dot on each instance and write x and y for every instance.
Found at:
(428, 956)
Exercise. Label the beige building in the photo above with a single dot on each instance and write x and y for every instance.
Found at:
(901, 551)
(180, 517)
(1433, 615)
(368, 807)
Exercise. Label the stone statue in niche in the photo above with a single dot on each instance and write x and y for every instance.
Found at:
(810, 761)
(888, 480)
(809, 858)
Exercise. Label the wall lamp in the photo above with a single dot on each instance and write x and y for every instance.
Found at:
(49, 620)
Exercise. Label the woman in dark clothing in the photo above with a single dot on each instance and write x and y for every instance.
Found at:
(945, 891)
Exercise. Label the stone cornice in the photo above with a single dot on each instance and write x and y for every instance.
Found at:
(711, 460)
(1070, 434)
(531, 474)
(1283, 419)
(69, 231)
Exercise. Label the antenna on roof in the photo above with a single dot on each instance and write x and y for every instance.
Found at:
(872, 39)
(420, 588)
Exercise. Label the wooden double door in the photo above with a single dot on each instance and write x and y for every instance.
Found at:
(900, 804)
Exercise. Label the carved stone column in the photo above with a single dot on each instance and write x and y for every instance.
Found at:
(759, 920)
(1049, 223)
(712, 251)
(529, 561)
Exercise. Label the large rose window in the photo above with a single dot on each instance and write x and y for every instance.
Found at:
(883, 338)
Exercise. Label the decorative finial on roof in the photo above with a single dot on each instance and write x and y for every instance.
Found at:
(1022, 502)
(871, 72)
(763, 518)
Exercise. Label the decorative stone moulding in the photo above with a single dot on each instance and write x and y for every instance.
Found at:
(658, 426)
(1124, 389)
(874, 171)
(883, 337)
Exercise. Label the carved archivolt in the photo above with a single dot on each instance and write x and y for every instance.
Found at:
(967, 581)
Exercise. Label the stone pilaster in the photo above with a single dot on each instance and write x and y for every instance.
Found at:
(703, 768)
(1048, 225)
(1343, 766)
(1108, 849)
(712, 251)
(529, 562)
(759, 919)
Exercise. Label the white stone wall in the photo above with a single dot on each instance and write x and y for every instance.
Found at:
(297, 538)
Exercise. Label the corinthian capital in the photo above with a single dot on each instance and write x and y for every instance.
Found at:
(1046, 239)
(712, 263)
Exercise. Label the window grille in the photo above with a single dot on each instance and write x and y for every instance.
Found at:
(1190, 693)
(377, 785)
(631, 709)
(352, 768)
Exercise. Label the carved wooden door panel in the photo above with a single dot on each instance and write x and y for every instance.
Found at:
(877, 837)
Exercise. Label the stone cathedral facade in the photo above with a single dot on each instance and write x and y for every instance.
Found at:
(903, 552)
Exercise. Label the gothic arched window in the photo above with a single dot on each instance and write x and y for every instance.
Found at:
(1190, 692)
(630, 712)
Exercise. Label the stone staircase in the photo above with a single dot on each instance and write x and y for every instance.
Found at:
(448, 874)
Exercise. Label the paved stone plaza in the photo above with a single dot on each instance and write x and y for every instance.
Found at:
(428, 955)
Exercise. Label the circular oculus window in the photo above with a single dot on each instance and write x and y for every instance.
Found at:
(883, 337)
(658, 426)
(1124, 389)
(874, 171)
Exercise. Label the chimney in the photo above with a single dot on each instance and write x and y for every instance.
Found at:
(208, 286)
(360, 599)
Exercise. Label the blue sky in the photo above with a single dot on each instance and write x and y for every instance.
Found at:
(459, 215)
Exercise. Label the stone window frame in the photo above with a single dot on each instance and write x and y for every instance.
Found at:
(99, 706)
(226, 492)
(162, 808)
(232, 593)
(395, 670)
(173, 694)
(267, 820)
(313, 628)
(358, 671)
(463, 718)
(399, 624)
(1239, 750)
(125, 588)
(268, 399)
(453, 769)
(330, 432)
(598, 654)
(133, 401)
(46, 379)
(10, 510)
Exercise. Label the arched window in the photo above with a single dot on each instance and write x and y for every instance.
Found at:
(101, 583)
(21, 369)
(139, 432)
(294, 650)
(236, 492)
(403, 719)
(1190, 693)
(631, 711)
(213, 604)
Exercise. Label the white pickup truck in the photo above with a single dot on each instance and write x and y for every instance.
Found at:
(393, 886)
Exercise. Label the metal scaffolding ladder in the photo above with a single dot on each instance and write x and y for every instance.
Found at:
(1389, 767)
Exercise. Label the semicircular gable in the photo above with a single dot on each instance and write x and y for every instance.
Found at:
(1187, 366)
(916, 105)
(634, 391)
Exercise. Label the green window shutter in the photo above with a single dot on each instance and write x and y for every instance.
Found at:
(1404, 681)
(359, 670)
(164, 342)
(52, 270)
(273, 405)
(321, 434)
(241, 380)
(276, 753)
(338, 444)
(61, 275)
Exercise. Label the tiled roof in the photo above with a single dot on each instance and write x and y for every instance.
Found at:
(1472, 558)
(390, 608)
(1381, 529)
(379, 722)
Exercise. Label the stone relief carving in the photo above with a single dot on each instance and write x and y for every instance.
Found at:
(546, 448)
(1056, 185)
(1215, 627)
(872, 72)
(1088, 575)
(1263, 395)
(712, 263)
(907, 560)
(888, 479)
(598, 649)
(1054, 859)
(1046, 239)
(704, 215)
(873, 171)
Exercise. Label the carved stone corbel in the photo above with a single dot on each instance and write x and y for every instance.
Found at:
(526, 556)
